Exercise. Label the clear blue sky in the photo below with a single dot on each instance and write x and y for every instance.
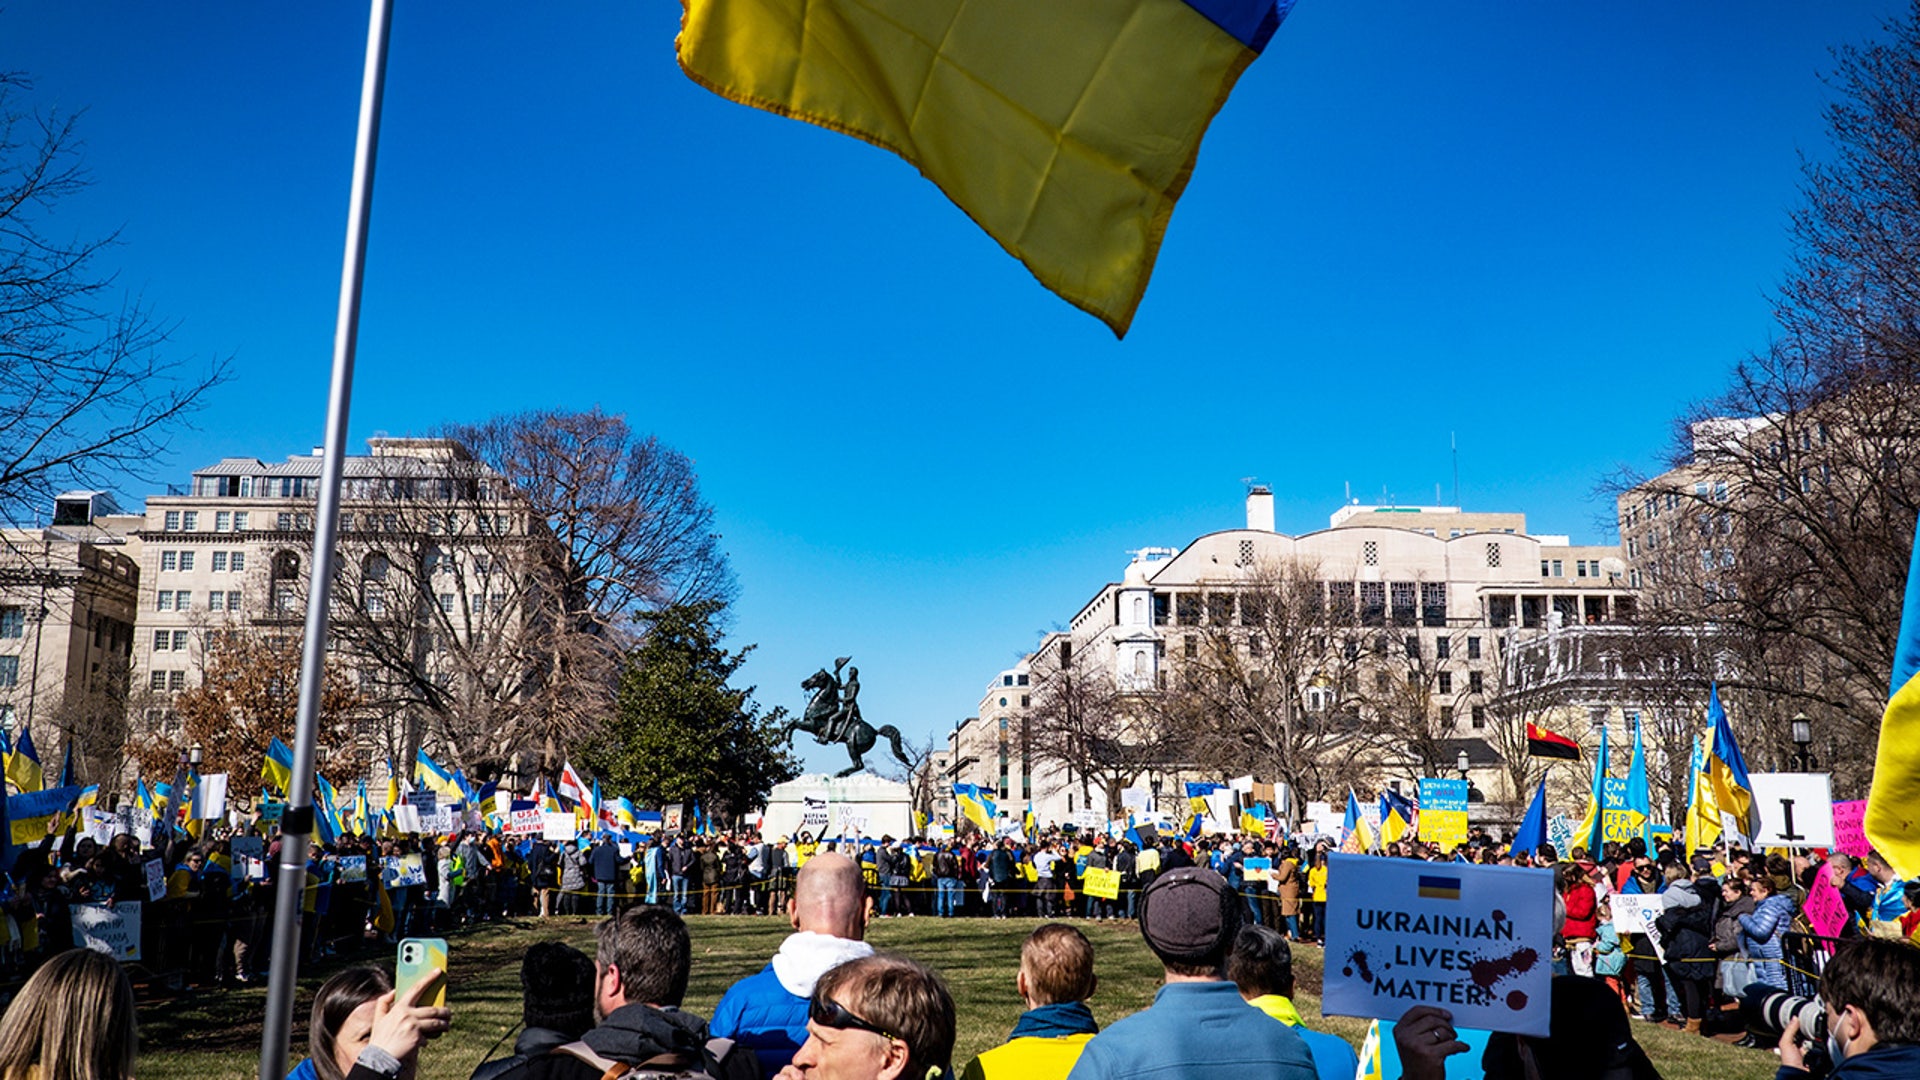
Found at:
(1546, 227)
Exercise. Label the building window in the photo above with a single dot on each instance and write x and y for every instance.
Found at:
(1559, 568)
(1192, 645)
(1413, 646)
(158, 681)
(176, 680)
(1476, 682)
(346, 521)
(1433, 603)
(162, 640)
(190, 521)
(1187, 609)
(169, 560)
(1442, 647)
(183, 600)
(1479, 717)
(1003, 704)
(1543, 568)
(1370, 553)
(1493, 555)
(239, 521)
(1246, 553)
(1473, 648)
(1026, 700)
(13, 622)
(283, 522)
(238, 562)
(1402, 593)
(1373, 603)
(233, 601)
(446, 602)
(219, 561)
(172, 521)
(216, 601)
(1006, 680)
(9, 671)
(223, 521)
(1255, 647)
(1445, 682)
(179, 641)
(1022, 680)
(186, 560)
(1381, 681)
(1340, 602)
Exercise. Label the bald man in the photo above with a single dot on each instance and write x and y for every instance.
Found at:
(767, 1011)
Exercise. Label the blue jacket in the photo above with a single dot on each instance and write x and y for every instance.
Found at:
(759, 1014)
(1761, 934)
(1888, 1061)
(1202, 1030)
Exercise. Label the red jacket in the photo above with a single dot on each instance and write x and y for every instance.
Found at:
(1580, 911)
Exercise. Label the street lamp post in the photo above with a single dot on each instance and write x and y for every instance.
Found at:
(1802, 733)
(1461, 762)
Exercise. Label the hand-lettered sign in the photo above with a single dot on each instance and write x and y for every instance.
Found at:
(1476, 940)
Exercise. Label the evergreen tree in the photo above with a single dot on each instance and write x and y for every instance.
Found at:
(679, 733)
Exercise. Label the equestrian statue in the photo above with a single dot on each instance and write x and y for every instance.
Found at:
(833, 716)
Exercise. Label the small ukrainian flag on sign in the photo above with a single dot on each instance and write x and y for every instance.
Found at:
(1439, 888)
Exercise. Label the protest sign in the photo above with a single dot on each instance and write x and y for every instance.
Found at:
(1477, 940)
(1135, 798)
(406, 818)
(112, 930)
(100, 828)
(156, 879)
(561, 827)
(1824, 907)
(1104, 884)
(424, 801)
(404, 870)
(350, 869)
(526, 823)
(672, 814)
(1795, 810)
(1256, 869)
(249, 858)
(1560, 833)
(210, 797)
(1443, 812)
(814, 813)
(1850, 827)
(442, 821)
(1087, 819)
(1634, 913)
(271, 811)
(853, 821)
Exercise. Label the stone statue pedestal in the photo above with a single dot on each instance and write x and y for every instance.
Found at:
(862, 805)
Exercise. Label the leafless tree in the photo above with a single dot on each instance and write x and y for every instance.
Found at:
(495, 589)
(87, 393)
(1083, 723)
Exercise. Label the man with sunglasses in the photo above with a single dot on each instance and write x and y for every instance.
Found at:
(883, 1017)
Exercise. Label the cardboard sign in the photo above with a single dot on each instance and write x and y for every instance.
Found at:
(1476, 940)
(210, 798)
(100, 828)
(403, 870)
(441, 822)
(560, 827)
(1104, 884)
(350, 869)
(1560, 833)
(1824, 907)
(1135, 798)
(526, 823)
(1443, 813)
(1795, 810)
(112, 930)
(1256, 869)
(1634, 912)
(671, 816)
(424, 801)
(156, 879)
(1850, 827)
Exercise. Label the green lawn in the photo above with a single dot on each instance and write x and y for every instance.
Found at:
(217, 1034)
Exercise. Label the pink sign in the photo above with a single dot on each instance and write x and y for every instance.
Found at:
(1849, 827)
(1824, 908)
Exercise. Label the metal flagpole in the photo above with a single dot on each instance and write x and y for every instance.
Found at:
(296, 830)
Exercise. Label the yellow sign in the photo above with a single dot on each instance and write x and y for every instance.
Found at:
(1104, 884)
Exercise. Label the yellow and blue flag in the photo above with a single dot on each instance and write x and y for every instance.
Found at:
(1589, 833)
(1893, 803)
(1639, 794)
(1370, 1066)
(975, 805)
(1253, 819)
(1066, 130)
(141, 796)
(1721, 801)
(1533, 827)
(435, 777)
(277, 769)
(362, 815)
(66, 766)
(1355, 834)
(31, 814)
(23, 765)
(393, 789)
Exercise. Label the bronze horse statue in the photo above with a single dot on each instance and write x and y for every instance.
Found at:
(833, 716)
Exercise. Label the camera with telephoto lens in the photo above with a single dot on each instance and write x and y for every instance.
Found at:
(1778, 1009)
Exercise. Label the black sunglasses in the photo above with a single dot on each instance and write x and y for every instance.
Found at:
(829, 1013)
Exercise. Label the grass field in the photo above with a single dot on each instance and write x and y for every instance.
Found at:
(217, 1034)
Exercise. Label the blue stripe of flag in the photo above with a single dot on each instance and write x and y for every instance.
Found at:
(1251, 21)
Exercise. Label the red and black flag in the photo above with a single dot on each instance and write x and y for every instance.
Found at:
(1544, 743)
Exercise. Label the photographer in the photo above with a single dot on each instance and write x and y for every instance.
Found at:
(1871, 989)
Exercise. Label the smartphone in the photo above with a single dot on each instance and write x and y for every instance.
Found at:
(423, 958)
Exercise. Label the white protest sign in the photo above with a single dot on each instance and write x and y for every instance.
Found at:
(100, 827)
(1476, 940)
(813, 812)
(853, 822)
(561, 827)
(1560, 833)
(441, 823)
(1794, 809)
(249, 858)
(210, 798)
(1135, 798)
(112, 930)
(406, 818)
(156, 880)
(526, 823)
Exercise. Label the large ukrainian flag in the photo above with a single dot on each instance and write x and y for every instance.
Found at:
(1893, 805)
(1066, 129)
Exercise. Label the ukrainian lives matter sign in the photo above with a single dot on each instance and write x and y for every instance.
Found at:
(1475, 940)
